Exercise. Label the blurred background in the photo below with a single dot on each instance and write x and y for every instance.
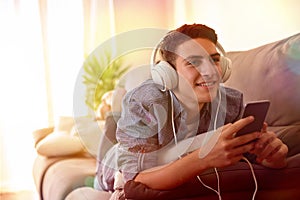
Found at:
(43, 44)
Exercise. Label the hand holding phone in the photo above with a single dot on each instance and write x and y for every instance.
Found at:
(257, 109)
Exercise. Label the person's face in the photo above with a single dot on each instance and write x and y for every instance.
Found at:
(198, 64)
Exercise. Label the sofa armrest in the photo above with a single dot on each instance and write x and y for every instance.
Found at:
(39, 134)
(43, 164)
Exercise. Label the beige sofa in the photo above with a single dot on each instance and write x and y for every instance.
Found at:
(65, 169)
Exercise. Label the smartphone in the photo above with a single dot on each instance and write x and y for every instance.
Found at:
(257, 109)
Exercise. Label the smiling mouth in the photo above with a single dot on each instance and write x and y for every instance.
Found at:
(206, 84)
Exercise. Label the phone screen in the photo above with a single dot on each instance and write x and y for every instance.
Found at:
(257, 109)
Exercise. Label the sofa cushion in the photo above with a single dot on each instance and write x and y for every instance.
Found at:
(40, 134)
(66, 175)
(59, 143)
(62, 124)
(270, 72)
(290, 135)
(88, 193)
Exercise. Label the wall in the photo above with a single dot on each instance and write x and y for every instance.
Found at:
(247, 24)
(241, 25)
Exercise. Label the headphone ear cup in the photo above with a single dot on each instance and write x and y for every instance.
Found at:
(165, 75)
(226, 68)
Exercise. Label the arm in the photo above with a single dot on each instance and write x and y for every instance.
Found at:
(227, 151)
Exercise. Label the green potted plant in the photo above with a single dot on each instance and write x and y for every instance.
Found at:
(101, 74)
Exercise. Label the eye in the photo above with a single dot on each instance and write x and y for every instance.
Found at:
(215, 59)
(194, 62)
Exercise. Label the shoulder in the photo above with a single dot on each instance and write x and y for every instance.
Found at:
(232, 95)
(234, 103)
(146, 93)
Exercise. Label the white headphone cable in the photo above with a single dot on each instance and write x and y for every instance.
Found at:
(172, 120)
(253, 175)
(244, 158)
(217, 192)
(216, 171)
(218, 108)
(176, 142)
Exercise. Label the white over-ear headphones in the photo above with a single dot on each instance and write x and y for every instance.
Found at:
(165, 75)
(225, 63)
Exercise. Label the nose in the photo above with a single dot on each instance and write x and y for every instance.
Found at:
(207, 68)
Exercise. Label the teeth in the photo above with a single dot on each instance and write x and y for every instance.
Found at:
(206, 84)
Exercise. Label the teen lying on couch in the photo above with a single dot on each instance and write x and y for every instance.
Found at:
(183, 99)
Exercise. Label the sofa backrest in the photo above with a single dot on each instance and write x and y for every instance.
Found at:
(134, 77)
(127, 82)
(271, 71)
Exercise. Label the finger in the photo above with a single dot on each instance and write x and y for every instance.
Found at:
(270, 149)
(264, 128)
(262, 142)
(229, 133)
(273, 154)
(279, 154)
(265, 139)
(224, 128)
(245, 139)
(240, 150)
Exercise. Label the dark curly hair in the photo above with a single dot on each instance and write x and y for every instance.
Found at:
(186, 32)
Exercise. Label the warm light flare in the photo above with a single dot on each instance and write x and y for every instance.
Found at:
(23, 106)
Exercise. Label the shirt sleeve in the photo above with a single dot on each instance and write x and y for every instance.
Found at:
(137, 133)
